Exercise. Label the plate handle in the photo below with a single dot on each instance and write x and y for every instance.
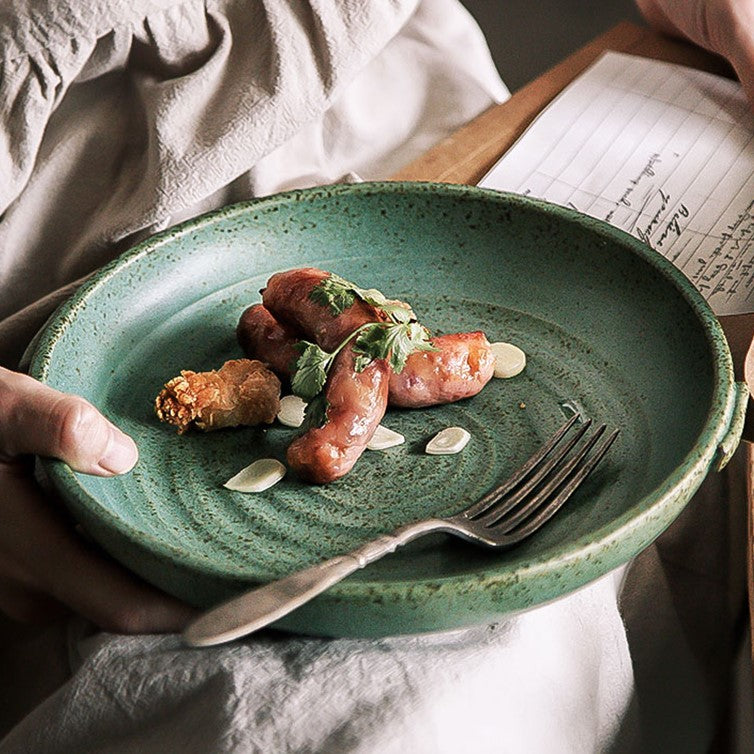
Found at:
(727, 446)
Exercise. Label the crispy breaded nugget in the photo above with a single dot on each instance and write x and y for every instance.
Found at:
(241, 392)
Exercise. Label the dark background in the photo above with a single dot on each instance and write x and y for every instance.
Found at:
(529, 36)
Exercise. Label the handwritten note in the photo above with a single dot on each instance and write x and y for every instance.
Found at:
(662, 151)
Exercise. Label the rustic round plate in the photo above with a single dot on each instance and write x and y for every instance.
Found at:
(607, 324)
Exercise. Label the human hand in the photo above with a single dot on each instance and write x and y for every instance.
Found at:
(725, 27)
(46, 568)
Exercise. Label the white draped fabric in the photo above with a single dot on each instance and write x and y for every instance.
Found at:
(118, 119)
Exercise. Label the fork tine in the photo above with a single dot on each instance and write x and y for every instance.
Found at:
(561, 469)
(563, 485)
(531, 472)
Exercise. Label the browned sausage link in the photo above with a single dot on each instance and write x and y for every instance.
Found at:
(357, 403)
(287, 296)
(260, 334)
(460, 367)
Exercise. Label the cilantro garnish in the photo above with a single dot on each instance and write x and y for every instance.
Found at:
(394, 340)
(373, 341)
(339, 294)
(396, 311)
(310, 370)
(315, 413)
(334, 292)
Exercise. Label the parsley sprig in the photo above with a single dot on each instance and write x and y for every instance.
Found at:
(339, 294)
(394, 340)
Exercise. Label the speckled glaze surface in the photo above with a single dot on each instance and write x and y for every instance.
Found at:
(606, 324)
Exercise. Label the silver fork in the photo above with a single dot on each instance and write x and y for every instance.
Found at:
(504, 517)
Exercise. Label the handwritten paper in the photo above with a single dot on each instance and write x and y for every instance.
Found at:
(661, 151)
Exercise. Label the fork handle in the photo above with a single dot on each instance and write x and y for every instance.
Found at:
(259, 607)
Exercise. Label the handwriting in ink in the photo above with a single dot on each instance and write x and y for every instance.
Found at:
(648, 171)
(673, 227)
(733, 248)
(655, 220)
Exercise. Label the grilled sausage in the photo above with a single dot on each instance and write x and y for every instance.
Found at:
(288, 298)
(356, 405)
(259, 332)
(460, 368)
(356, 400)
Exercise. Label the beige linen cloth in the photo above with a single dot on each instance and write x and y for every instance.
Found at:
(118, 119)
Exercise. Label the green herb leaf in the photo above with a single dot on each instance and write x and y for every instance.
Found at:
(371, 344)
(394, 342)
(334, 292)
(310, 372)
(315, 413)
(397, 311)
(404, 340)
(338, 294)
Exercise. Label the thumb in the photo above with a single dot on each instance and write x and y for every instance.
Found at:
(35, 418)
(743, 63)
(731, 34)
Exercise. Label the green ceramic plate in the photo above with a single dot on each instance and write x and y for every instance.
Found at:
(607, 324)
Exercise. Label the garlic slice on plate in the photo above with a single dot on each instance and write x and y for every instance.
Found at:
(291, 411)
(384, 437)
(257, 476)
(510, 360)
(448, 441)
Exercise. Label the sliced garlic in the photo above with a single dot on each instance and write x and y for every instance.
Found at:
(448, 441)
(510, 360)
(258, 476)
(385, 438)
(291, 412)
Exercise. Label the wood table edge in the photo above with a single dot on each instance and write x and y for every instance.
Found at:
(468, 154)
